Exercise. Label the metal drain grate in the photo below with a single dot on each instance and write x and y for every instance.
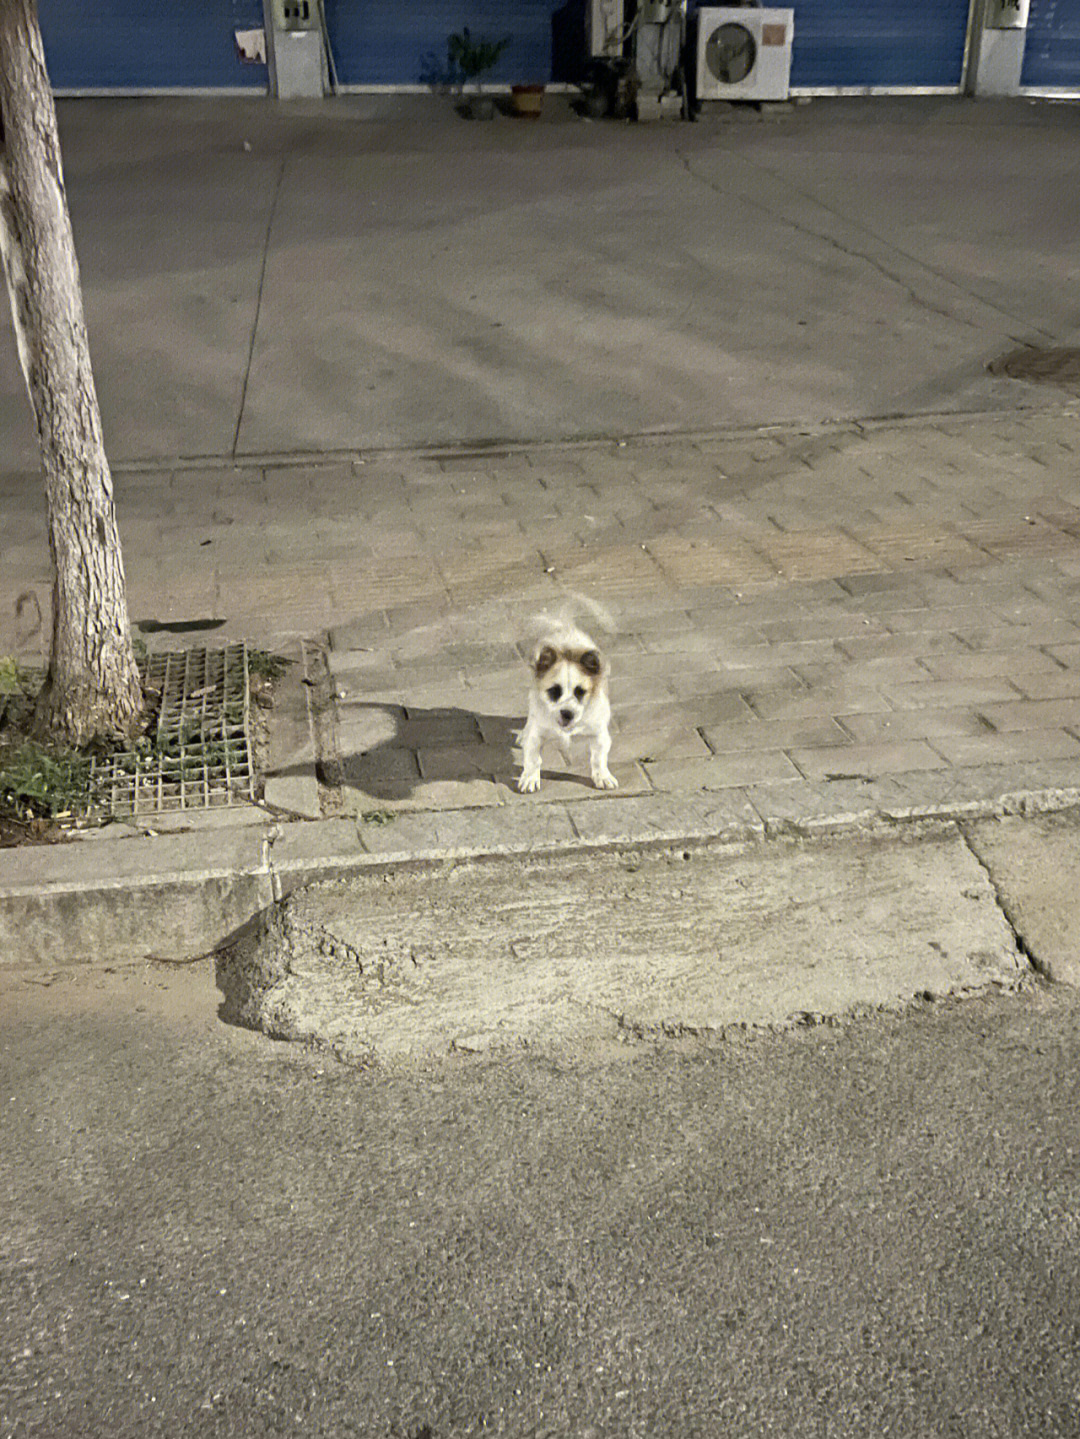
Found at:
(198, 748)
(196, 752)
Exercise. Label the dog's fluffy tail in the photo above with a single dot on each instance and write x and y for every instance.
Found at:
(575, 612)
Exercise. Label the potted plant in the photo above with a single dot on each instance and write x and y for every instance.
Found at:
(471, 58)
(527, 100)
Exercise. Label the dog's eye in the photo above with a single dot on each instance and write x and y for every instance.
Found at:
(555, 692)
(579, 693)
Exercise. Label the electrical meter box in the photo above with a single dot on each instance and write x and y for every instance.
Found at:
(1006, 14)
(605, 28)
(299, 50)
(295, 14)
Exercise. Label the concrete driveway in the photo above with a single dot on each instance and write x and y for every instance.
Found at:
(262, 280)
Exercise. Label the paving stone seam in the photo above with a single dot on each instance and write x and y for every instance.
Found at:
(499, 449)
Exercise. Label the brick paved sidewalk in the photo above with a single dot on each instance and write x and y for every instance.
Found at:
(875, 618)
(861, 619)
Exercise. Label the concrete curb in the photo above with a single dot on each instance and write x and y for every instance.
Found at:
(620, 946)
(180, 896)
(487, 449)
(170, 896)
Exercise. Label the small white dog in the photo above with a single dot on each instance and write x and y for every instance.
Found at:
(567, 700)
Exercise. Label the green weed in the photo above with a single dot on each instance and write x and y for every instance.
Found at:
(378, 816)
(35, 781)
(14, 679)
(266, 665)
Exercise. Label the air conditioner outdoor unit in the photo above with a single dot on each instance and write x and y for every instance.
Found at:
(744, 53)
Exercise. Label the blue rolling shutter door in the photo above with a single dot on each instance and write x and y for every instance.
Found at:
(1052, 45)
(902, 44)
(148, 44)
(376, 43)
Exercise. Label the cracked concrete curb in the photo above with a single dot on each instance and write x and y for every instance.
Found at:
(622, 945)
(1034, 868)
(181, 896)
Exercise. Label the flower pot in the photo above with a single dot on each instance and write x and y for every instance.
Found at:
(527, 100)
(476, 107)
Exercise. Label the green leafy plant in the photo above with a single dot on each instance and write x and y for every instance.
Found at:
(266, 665)
(471, 57)
(39, 782)
(13, 678)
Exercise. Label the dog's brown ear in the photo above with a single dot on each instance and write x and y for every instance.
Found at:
(591, 662)
(545, 658)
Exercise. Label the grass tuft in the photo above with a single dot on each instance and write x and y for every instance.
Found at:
(14, 680)
(37, 783)
(266, 665)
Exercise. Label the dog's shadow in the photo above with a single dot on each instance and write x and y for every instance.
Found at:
(388, 752)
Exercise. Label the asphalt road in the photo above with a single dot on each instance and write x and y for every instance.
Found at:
(869, 1229)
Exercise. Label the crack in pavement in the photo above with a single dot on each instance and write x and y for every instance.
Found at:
(857, 254)
(1038, 965)
(271, 214)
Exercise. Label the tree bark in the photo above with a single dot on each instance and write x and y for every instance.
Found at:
(92, 686)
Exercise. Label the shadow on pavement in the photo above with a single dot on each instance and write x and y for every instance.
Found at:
(410, 747)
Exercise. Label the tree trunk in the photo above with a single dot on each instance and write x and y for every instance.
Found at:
(92, 686)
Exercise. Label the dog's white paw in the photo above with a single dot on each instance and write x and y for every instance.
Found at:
(529, 783)
(604, 779)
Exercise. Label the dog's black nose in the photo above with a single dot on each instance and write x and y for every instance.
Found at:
(566, 716)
